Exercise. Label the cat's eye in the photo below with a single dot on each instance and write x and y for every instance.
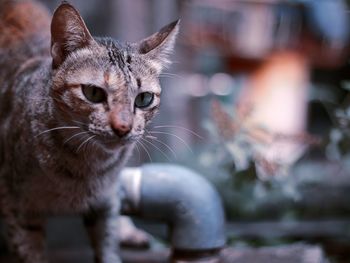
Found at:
(144, 99)
(94, 94)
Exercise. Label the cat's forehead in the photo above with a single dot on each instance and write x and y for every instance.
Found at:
(111, 66)
(124, 56)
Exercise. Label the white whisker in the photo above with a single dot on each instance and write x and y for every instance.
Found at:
(179, 138)
(163, 143)
(179, 127)
(88, 139)
(156, 147)
(77, 134)
(170, 75)
(151, 137)
(144, 147)
(93, 142)
(58, 128)
(79, 122)
(138, 151)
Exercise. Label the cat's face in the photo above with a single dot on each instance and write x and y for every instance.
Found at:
(108, 89)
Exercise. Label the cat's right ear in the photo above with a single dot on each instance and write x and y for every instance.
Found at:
(158, 46)
(68, 33)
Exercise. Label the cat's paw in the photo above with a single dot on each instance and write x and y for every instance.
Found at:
(130, 235)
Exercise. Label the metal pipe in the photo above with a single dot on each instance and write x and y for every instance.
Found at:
(183, 199)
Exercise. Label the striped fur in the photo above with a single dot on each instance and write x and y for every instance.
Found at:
(58, 151)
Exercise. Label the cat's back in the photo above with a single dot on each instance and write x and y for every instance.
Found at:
(24, 30)
(24, 47)
(24, 43)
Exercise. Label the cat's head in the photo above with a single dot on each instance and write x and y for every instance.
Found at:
(112, 90)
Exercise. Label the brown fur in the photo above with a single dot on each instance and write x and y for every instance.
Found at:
(17, 24)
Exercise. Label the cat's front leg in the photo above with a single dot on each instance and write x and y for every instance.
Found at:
(102, 225)
(26, 238)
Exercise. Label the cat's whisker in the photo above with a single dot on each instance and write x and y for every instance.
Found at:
(163, 143)
(179, 127)
(174, 135)
(83, 139)
(86, 141)
(144, 147)
(151, 137)
(156, 147)
(58, 128)
(92, 140)
(81, 123)
(77, 134)
(171, 76)
(138, 151)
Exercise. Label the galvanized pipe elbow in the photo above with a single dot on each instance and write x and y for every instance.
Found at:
(185, 200)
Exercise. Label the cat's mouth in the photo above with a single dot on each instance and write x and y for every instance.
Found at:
(117, 141)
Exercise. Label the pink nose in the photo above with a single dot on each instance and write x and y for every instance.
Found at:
(121, 123)
(121, 129)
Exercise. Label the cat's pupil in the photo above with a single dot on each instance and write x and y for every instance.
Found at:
(144, 99)
(94, 94)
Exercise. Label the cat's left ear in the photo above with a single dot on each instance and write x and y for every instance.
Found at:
(158, 46)
(68, 33)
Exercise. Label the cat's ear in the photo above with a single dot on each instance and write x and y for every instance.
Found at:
(68, 33)
(158, 46)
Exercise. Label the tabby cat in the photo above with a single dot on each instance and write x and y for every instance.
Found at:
(72, 107)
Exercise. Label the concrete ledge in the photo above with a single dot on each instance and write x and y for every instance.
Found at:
(282, 254)
(297, 253)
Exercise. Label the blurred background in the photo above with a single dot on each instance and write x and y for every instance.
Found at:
(257, 100)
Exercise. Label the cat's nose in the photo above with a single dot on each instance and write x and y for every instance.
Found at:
(121, 123)
(121, 129)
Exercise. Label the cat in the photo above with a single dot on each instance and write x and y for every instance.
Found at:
(72, 107)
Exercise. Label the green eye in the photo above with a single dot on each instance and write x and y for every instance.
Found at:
(144, 99)
(94, 94)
